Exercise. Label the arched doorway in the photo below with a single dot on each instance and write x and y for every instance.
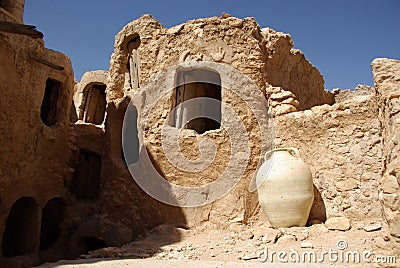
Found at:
(21, 228)
(94, 104)
(52, 217)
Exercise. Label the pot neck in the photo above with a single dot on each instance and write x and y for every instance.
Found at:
(281, 154)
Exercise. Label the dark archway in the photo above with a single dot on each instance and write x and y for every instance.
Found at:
(95, 104)
(52, 217)
(21, 228)
(90, 243)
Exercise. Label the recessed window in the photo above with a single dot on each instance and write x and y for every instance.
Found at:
(86, 180)
(48, 110)
(133, 61)
(95, 104)
(195, 83)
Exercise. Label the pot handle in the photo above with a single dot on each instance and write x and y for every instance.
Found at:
(294, 151)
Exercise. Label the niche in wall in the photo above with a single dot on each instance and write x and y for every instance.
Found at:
(133, 61)
(48, 109)
(86, 181)
(52, 216)
(194, 83)
(21, 228)
(95, 104)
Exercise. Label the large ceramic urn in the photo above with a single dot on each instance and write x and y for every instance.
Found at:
(285, 188)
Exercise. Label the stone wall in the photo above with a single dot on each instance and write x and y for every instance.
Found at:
(341, 144)
(387, 78)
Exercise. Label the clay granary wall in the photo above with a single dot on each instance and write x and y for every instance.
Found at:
(37, 85)
(69, 150)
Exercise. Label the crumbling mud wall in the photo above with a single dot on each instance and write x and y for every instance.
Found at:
(12, 10)
(65, 181)
(227, 40)
(89, 106)
(287, 68)
(37, 87)
(387, 85)
(108, 198)
(145, 47)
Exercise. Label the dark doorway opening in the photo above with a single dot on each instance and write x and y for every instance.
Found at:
(92, 243)
(193, 84)
(48, 110)
(95, 104)
(86, 180)
(21, 228)
(52, 217)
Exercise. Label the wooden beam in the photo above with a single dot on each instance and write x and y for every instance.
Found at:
(22, 29)
(46, 62)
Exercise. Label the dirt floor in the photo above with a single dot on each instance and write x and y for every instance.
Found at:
(250, 246)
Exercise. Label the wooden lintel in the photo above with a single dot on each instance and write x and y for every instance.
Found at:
(46, 62)
(22, 29)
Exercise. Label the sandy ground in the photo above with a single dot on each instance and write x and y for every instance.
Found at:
(138, 263)
(255, 245)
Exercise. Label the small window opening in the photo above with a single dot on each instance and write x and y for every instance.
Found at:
(86, 181)
(193, 84)
(95, 104)
(134, 62)
(48, 110)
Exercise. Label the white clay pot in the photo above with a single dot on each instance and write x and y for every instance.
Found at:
(285, 188)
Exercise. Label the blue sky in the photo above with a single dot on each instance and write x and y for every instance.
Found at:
(340, 37)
